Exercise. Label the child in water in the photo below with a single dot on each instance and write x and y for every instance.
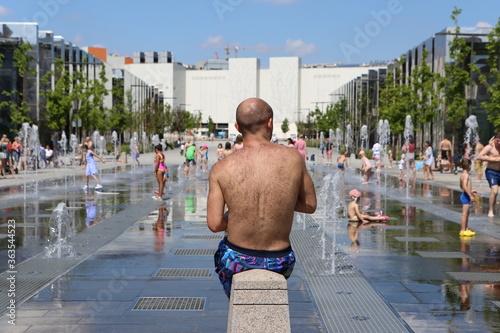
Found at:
(91, 168)
(160, 172)
(342, 161)
(353, 213)
(366, 167)
(402, 167)
(466, 198)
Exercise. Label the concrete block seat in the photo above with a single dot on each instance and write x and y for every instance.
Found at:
(259, 303)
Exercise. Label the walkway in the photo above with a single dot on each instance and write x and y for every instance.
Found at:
(122, 263)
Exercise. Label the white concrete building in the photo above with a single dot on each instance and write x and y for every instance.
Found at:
(291, 89)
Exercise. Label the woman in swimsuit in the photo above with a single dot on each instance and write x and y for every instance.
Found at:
(160, 172)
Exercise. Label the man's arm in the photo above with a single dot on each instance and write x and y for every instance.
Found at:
(484, 154)
(306, 200)
(215, 205)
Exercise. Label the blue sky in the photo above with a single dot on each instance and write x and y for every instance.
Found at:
(319, 31)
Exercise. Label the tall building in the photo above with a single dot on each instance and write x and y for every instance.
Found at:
(214, 88)
(438, 47)
(46, 49)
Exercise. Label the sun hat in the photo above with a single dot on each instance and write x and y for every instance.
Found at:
(355, 193)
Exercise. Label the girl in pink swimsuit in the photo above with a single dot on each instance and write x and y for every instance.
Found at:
(160, 172)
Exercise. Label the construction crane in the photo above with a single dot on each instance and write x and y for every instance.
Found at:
(236, 48)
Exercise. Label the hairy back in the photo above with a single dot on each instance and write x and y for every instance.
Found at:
(261, 186)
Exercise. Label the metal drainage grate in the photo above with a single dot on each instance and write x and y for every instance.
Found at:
(218, 237)
(182, 272)
(475, 276)
(170, 303)
(201, 225)
(193, 252)
(436, 254)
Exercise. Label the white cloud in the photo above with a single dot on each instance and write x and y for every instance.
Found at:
(299, 48)
(4, 11)
(78, 39)
(214, 42)
(483, 25)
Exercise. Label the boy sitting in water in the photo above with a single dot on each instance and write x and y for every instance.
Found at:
(353, 213)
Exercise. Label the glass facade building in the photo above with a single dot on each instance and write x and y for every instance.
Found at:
(438, 47)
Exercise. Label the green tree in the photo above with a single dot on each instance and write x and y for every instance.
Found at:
(396, 99)
(155, 117)
(457, 74)
(120, 114)
(492, 81)
(59, 101)
(211, 125)
(98, 91)
(426, 92)
(285, 126)
(183, 120)
(168, 116)
(18, 108)
(332, 118)
(88, 95)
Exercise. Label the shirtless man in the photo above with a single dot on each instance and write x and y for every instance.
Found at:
(491, 154)
(445, 147)
(262, 185)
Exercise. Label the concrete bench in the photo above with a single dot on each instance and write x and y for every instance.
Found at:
(259, 303)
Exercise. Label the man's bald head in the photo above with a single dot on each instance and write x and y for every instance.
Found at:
(252, 115)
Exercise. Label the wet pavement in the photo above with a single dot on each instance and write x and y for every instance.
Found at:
(131, 248)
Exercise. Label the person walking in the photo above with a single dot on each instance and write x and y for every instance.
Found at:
(428, 161)
(190, 153)
(260, 205)
(16, 154)
(301, 146)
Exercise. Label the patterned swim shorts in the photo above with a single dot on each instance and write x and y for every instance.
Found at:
(231, 259)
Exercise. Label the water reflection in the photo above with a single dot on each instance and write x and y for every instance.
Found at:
(191, 200)
(91, 211)
(161, 228)
(464, 287)
(353, 230)
(32, 216)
